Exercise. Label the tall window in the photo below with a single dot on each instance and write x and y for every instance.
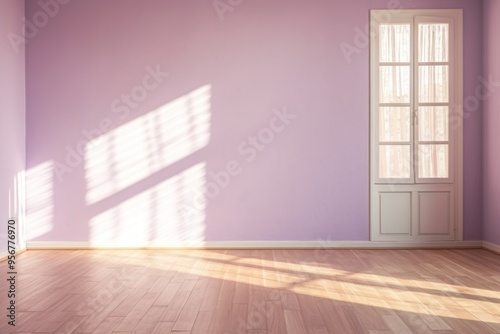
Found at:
(414, 99)
(415, 92)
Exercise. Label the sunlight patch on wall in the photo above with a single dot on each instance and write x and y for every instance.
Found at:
(39, 200)
(163, 213)
(134, 151)
(20, 207)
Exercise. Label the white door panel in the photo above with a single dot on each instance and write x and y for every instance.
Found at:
(395, 213)
(434, 213)
(422, 212)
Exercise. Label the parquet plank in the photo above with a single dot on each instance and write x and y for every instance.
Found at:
(257, 292)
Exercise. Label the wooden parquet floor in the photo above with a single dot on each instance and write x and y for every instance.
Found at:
(256, 292)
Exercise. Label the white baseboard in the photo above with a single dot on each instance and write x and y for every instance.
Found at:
(45, 245)
(491, 247)
(5, 254)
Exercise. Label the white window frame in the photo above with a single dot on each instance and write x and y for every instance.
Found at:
(455, 170)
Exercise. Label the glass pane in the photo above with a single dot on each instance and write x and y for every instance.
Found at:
(433, 161)
(394, 124)
(394, 161)
(433, 84)
(433, 42)
(394, 42)
(432, 123)
(394, 84)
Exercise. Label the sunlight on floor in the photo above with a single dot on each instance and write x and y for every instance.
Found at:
(39, 200)
(327, 291)
(149, 143)
(426, 296)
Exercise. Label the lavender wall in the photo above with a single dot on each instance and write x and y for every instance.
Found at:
(12, 111)
(306, 178)
(491, 135)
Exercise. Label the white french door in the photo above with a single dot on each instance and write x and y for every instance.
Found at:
(416, 143)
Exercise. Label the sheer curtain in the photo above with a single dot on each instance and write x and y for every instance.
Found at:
(395, 116)
(433, 88)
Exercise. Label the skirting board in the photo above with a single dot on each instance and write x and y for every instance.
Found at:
(491, 247)
(5, 254)
(41, 245)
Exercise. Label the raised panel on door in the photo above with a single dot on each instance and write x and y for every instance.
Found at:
(435, 215)
(395, 213)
